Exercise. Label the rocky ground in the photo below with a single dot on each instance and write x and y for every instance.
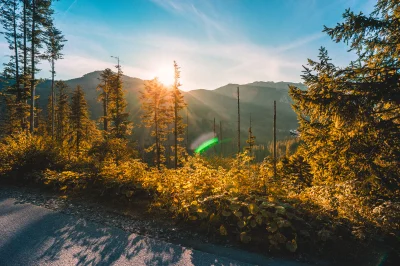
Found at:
(133, 217)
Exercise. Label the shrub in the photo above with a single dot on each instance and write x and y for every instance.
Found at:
(23, 154)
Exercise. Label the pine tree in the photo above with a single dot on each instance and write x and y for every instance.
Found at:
(106, 78)
(11, 123)
(79, 117)
(63, 112)
(121, 127)
(54, 44)
(9, 16)
(41, 19)
(238, 124)
(24, 27)
(156, 114)
(179, 126)
(349, 117)
(250, 140)
(49, 116)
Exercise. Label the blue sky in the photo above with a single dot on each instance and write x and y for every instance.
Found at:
(214, 41)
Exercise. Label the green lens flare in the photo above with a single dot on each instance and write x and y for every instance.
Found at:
(206, 145)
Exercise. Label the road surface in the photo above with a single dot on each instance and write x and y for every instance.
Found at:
(32, 235)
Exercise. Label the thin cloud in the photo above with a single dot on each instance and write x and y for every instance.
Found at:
(300, 42)
(199, 13)
(66, 11)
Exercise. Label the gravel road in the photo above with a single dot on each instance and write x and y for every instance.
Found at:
(44, 229)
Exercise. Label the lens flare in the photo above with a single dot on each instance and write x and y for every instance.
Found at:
(206, 145)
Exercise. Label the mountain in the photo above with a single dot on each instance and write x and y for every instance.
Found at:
(255, 98)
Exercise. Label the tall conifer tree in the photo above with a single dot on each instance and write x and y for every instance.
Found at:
(63, 112)
(79, 117)
(106, 78)
(156, 114)
(179, 126)
(349, 117)
(54, 44)
(121, 126)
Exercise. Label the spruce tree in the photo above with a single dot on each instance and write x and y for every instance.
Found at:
(79, 118)
(156, 114)
(179, 126)
(9, 16)
(54, 44)
(41, 18)
(24, 49)
(63, 112)
(106, 78)
(121, 127)
(250, 140)
(349, 116)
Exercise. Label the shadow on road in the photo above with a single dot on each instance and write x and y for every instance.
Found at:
(35, 236)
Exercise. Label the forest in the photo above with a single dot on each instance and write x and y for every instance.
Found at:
(331, 190)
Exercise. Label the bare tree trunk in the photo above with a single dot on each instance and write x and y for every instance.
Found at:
(215, 134)
(176, 129)
(32, 111)
(220, 138)
(157, 141)
(187, 129)
(53, 99)
(26, 88)
(16, 53)
(105, 107)
(238, 133)
(274, 139)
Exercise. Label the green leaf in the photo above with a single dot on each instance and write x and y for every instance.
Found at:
(192, 218)
(253, 223)
(272, 227)
(259, 219)
(280, 210)
(245, 238)
(241, 224)
(222, 230)
(291, 245)
(226, 213)
(234, 207)
(129, 193)
(253, 208)
(238, 214)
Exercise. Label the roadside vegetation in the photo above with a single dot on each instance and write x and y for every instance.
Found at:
(337, 195)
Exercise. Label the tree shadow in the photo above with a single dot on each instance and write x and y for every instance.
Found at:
(38, 236)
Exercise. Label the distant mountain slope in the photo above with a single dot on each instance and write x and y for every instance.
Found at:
(256, 98)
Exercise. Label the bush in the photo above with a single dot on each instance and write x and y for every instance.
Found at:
(23, 154)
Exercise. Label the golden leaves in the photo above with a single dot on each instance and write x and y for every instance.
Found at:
(222, 230)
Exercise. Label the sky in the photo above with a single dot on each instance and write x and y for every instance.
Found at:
(215, 42)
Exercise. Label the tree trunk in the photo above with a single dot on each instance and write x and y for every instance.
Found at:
(105, 107)
(32, 112)
(274, 139)
(238, 133)
(176, 130)
(157, 141)
(53, 99)
(16, 53)
(215, 134)
(220, 138)
(187, 129)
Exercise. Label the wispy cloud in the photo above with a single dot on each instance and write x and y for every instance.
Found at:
(68, 9)
(200, 12)
(224, 54)
(300, 42)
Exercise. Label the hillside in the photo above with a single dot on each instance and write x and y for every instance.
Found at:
(256, 98)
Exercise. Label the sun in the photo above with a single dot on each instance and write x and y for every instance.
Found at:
(165, 75)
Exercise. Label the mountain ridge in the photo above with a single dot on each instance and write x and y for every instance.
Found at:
(256, 98)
